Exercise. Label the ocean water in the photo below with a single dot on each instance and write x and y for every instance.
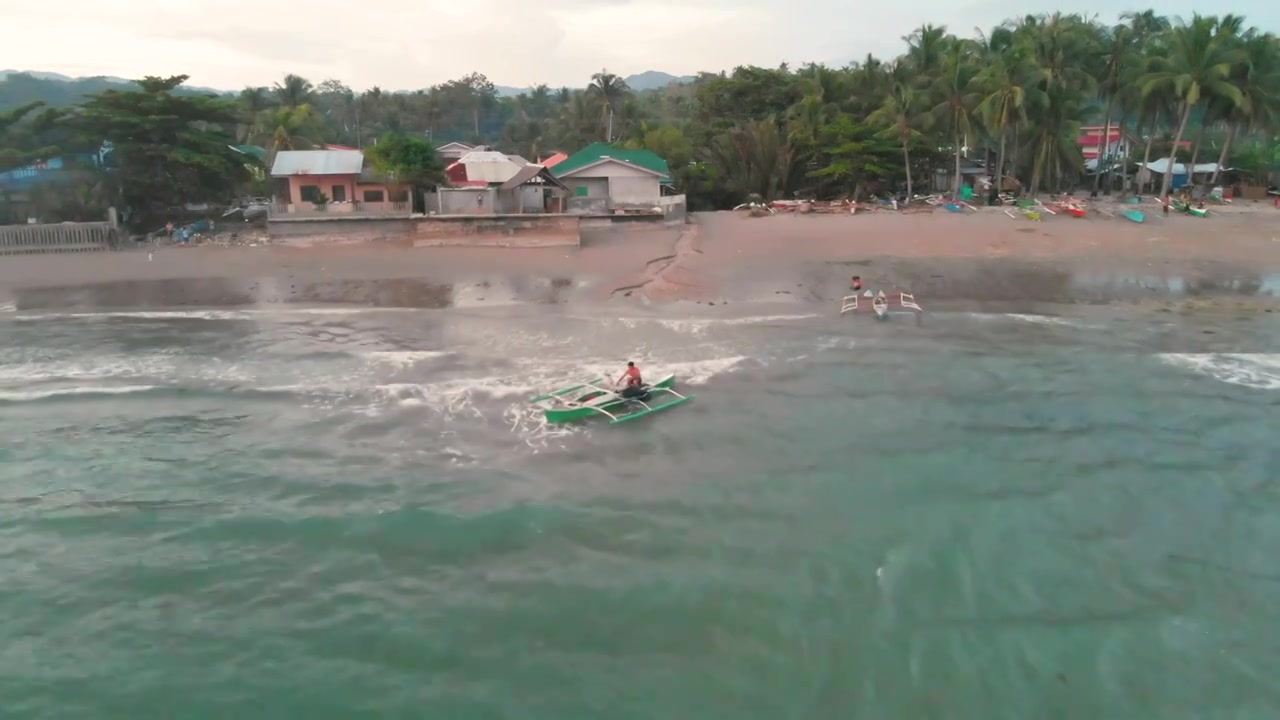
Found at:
(349, 513)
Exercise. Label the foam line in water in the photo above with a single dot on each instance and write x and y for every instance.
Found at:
(1255, 370)
(86, 391)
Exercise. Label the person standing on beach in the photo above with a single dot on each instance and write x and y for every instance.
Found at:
(855, 284)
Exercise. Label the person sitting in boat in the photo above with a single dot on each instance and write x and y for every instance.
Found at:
(635, 385)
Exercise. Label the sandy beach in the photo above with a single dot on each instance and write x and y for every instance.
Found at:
(715, 258)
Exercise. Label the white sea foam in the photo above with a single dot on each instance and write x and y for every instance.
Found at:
(1047, 320)
(699, 326)
(41, 394)
(404, 358)
(250, 313)
(1255, 370)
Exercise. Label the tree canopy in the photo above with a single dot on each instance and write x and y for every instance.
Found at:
(406, 160)
(1013, 97)
(166, 149)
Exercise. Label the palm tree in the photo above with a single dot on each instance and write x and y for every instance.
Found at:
(1004, 85)
(926, 47)
(956, 92)
(899, 115)
(1257, 76)
(1197, 66)
(286, 128)
(1118, 54)
(294, 91)
(610, 91)
(757, 158)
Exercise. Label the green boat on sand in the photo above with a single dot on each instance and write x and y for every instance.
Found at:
(595, 398)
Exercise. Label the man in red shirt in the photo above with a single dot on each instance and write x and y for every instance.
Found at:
(634, 382)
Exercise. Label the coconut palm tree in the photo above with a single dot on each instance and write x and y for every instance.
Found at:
(900, 116)
(956, 94)
(1118, 54)
(294, 91)
(1196, 66)
(610, 91)
(1257, 76)
(1004, 84)
(286, 128)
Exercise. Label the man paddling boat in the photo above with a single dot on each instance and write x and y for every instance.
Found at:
(635, 384)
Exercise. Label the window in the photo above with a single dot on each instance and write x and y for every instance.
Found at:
(400, 196)
(373, 196)
(339, 193)
(580, 191)
(310, 193)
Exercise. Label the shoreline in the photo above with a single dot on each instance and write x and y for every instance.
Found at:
(719, 258)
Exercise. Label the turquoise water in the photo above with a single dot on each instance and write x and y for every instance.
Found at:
(334, 513)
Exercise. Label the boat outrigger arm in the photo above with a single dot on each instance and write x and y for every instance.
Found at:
(589, 399)
(879, 302)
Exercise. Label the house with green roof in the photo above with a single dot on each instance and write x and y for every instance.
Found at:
(614, 176)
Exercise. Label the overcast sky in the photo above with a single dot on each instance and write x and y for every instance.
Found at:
(405, 45)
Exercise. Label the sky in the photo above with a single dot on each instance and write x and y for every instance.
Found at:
(228, 44)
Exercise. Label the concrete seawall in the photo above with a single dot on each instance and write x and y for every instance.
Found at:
(518, 231)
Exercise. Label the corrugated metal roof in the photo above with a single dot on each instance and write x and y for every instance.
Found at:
(483, 156)
(530, 172)
(317, 162)
(488, 166)
(554, 160)
(598, 152)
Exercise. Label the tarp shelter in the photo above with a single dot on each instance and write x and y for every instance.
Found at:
(1161, 166)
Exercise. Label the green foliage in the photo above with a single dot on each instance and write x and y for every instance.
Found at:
(24, 135)
(407, 160)
(854, 153)
(1013, 97)
(166, 149)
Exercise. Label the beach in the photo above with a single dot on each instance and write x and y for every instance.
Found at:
(272, 481)
(731, 257)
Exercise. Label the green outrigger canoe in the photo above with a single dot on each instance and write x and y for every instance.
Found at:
(594, 398)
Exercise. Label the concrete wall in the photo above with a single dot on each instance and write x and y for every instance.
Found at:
(634, 190)
(434, 231)
(597, 187)
(623, 185)
(56, 238)
(674, 207)
(465, 201)
(340, 228)
(525, 231)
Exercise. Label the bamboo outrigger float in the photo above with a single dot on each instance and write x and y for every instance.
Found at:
(594, 398)
(881, 304)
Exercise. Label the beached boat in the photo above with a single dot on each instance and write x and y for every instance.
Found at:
(1135, 215)
(880, 304)
(595, 398)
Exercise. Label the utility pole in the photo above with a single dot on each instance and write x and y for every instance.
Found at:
(608, 137)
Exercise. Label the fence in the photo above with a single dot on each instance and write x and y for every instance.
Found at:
(59, 238)
(285, 211)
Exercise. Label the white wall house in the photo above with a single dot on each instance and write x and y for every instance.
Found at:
(618, 182)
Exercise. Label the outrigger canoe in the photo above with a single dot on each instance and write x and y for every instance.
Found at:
(881, 304)
(594, 398)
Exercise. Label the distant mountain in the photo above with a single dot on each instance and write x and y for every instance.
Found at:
(648, 80)
(71, 89)
(655, 80)
(21, 86)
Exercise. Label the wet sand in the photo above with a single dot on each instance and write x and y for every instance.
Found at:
(717, 258)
